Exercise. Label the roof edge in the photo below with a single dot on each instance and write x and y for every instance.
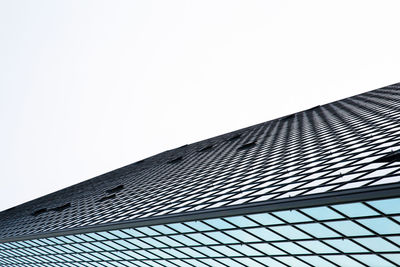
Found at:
(330, 198)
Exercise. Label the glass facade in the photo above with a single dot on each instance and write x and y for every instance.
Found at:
(353, 234)
(317, 188)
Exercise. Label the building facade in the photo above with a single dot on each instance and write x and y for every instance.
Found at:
(320, 187)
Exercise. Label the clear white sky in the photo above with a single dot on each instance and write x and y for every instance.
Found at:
(90, 86)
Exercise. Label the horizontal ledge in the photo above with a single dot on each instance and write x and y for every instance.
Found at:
(330, 198)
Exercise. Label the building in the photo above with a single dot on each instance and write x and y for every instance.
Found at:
(320, 187)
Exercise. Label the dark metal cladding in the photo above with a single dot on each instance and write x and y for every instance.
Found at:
(320, 153)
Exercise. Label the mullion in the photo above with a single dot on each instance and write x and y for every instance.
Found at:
(375, 233)
(218, 243)
(270, 243)
(291, 240)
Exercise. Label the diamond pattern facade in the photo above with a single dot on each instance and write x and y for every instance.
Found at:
(316, 188)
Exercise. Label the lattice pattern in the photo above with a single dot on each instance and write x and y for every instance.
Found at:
(353, 234)
(329, 148)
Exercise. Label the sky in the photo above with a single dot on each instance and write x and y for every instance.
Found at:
(90, 86)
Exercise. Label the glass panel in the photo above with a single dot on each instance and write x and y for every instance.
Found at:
(268, 249)
(387, 206)
(373, 260)
(265, 219)
(265, 234)
(322, 213)
(290, 232)
(355, 210)
(343, 261)
(381, 225)
(349, 228)
(219, 224)
(368, 239)
(292, 216)
(317, 247)
(346, 246)
(377, 244)
(316, 261)
(317, 230)
(241, 221)
(242, 236)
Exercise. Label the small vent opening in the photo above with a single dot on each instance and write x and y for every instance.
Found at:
(235, 137)
(107, 197)
(394, 156)
(206, 148)
(63, 207)
(176, 160)
(38, 212)
(115, 189)
(247, 145)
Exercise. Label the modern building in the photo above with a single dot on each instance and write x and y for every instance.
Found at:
(320, 187)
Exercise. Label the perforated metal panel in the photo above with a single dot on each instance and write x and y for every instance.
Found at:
(343, 149)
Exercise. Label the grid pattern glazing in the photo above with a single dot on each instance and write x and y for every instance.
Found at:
(351, 234)
(330, 148)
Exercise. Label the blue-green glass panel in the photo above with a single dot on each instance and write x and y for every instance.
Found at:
(268, 249)
(317, 247)
(322, 213)
(180, 228)
(249, 262)
(387, 206)
(316, 261)
(208, 252)
(393, 257)
(317, 230)
(395, 239)
(152, 242)
(120, 234)
(168, 241)
(222, 238)
(381, 225)
(227, 251)
(346, 246)
(292, 248)
(107, 235)
(290, 232)
(291, 261)
(377, 244)
(246, 250)
(139, 243)
(220, 224)
(202, 239)
(95, 236)
(185, 240)
(373, 260)
(126, 244)
(292, 216)
(355, 210)
(191, 252)
(349, 228)
(265, 234)
(265, 219)
(199, 226)
(163, 229)
(133, 232)
(343, 261)
(147, 231)
(241, 221)
(242, 236)
(174, 252)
